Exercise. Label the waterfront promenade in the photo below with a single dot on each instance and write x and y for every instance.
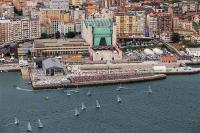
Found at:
(9, 67)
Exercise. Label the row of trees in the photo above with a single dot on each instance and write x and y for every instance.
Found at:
(57, 35)
(175, 37)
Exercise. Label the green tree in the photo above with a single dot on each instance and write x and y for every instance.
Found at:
(175, 37)
(57, 35)
(44, 36)
(71, 35)
(18, 12)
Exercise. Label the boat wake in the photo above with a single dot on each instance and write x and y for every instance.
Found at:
(7, 124)
(73, 91)
(21, 89)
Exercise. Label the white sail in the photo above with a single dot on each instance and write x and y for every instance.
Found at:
(150, 90)
(97, 104)
(40, 125)
(29, 127)
(76, 112)
(83, 107)
(119, 100)
(16, 121)
(89, 93)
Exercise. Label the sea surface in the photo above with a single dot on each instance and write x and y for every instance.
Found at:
(173, 107)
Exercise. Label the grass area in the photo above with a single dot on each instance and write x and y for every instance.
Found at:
(185, 44)
(189, 44)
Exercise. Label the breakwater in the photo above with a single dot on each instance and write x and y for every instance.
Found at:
(81, 82)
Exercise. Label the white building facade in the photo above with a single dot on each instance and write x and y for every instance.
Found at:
(59, 4)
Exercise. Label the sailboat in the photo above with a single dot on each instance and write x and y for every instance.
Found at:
(29, 127)
(16, 121)
(119, 100)
(150, 90)
(97, 104)
(83, 107)
(76, 113)
(89, 93)
(40, 125)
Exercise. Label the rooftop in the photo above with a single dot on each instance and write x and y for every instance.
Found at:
(40, 43)
(52, 63)
(98, 22)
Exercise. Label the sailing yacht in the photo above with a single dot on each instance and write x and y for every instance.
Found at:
(76, 113)
(29, 127)
(97, 104)
(16, 121)
(40, 125)
(83, 107)
(119, 100)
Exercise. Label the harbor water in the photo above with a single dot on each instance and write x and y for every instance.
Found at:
(172, 107)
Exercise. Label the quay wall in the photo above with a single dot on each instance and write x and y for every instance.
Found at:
(183, 72)
(100, 82)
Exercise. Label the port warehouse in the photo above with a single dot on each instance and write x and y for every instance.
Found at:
(48, 47)
(51, 66)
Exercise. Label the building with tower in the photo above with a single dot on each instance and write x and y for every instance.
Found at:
(100, 34)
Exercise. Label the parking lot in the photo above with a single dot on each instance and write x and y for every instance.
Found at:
(146, 54)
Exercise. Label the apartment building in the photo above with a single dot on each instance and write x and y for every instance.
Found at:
(131, 23)
(19, 29)
(51, 18)
(152, 23)
(76, 2)
(4, 30)
(125, 24)
(6, 11)
(183, 27)
(59, 4)
(164, 22)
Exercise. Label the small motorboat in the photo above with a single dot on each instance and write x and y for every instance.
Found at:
(16, 121)
(40, 125)
(76, 113)
(97, 104)
(29, 129)
(89, 93)
(83, 107)
(119, 100)
(68, 93)
(76, 90)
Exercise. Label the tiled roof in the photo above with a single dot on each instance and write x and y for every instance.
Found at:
(168, 58)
